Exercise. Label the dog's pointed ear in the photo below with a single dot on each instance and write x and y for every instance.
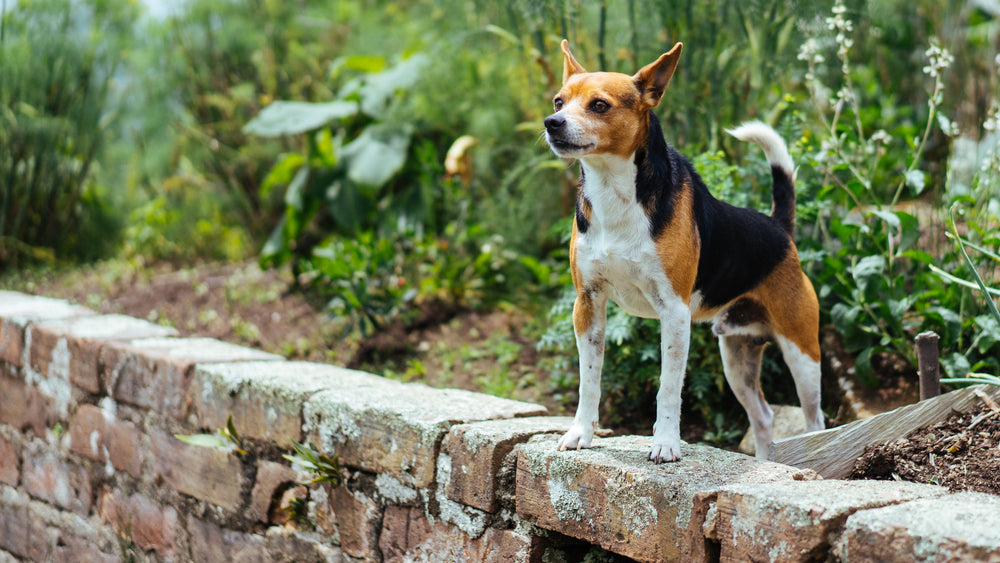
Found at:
(570, 66)
(653, 78)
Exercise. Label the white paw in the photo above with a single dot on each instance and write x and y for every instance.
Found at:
(665, 451)
(578, 437)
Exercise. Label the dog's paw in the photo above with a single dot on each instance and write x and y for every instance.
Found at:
(665, 452)
(578, 437)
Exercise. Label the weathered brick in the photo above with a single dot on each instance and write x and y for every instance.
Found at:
(210, 542)
(17, 310)
(287, 544)
(264, 398)
(272, 479)
(10, 456)
(156, 372)
(70, 349)
(213, 474)
(960, 527)
(15, 525)
(794, 521)
(46, 476)
(357, 518)
(384, 426)
(407, 535)
(97, 433)
(612, 496)
(25, 404)
(477, 449)
(136, 517)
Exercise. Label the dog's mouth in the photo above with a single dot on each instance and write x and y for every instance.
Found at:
(561, 146)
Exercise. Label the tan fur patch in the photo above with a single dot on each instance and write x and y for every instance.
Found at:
(791, 301)
(679, 246)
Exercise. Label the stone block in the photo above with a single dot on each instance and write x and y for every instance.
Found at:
(70, 349)
(287, 544)
(150, 524)
(156, 372)
(97, 433)
(210, 542)
(17, 310)
(384, 426)
(15, 524)
(272, 480)
(212, 474)
(959, 527)
(265, 399)
(10, 457)
(407, 535)
(47, 476)
(612, 496)
(794, 521)
(477, 450)
(357, 517)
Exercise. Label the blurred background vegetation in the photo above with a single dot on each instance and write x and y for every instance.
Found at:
(389, 154)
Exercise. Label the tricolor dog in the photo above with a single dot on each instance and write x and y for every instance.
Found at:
(650, 236)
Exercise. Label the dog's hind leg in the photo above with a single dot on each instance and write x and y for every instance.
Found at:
(589, 321)
(806, 372)
(741, 356)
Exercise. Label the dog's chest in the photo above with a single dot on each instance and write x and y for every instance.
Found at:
(618, 250)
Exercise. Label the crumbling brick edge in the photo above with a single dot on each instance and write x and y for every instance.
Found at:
(91, 469)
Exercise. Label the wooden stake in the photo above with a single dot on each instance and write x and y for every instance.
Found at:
(927, 365)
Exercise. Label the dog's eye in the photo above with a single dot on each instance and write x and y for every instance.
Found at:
(557, 103)
(599, 106)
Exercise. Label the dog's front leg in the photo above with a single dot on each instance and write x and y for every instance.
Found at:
(675, 338)
(589, 320)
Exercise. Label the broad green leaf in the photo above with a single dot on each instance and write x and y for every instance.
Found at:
(868, 269)
(915, 179)
(377, 154)
(281, 172)
(379, 88)
(956, 365)
(863, 368)
(204, 440)
(887, 216)
(291, 118)
(293, 197)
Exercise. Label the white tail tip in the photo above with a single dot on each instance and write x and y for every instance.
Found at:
(768, 139)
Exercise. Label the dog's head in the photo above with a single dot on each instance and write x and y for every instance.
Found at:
(601, 113)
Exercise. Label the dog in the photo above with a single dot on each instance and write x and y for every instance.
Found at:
(649, 235)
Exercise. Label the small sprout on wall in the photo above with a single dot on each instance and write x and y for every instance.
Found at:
(324, 468)
(298, 510)
(222, 438)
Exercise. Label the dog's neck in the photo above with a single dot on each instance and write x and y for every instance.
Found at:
(609, 186)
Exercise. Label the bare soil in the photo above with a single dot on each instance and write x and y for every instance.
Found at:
(961, 453)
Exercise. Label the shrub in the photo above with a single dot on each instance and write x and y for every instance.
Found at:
(57, 61)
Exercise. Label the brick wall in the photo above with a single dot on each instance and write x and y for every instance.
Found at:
(91, 470)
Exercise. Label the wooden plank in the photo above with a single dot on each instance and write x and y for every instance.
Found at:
(832, 453)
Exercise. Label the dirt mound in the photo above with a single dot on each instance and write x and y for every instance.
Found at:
(961, 452)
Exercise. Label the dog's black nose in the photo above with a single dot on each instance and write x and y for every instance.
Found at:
(554, 122)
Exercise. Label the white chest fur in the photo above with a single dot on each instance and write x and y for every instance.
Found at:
(616, 252)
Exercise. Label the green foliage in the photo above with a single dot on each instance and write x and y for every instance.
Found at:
(324, 468)
(57, 62)
(189, 219)
(226, 60)
(223, 438)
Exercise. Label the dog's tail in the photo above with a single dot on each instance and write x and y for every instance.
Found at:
(782, 169)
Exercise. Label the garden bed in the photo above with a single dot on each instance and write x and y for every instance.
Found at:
(962, 453)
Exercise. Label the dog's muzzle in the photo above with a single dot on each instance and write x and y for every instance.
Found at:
(556, 133)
